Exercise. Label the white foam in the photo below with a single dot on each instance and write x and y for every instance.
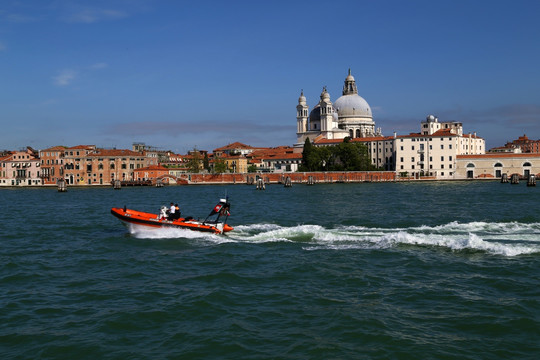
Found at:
(507, 239)
(145, 232)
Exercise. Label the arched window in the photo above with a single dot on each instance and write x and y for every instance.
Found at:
(498, 165)
(357, 133)
(527, 164)
(470, 165)
(351, 133)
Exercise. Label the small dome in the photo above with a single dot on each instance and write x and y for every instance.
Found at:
(302, 99)
(349, 76)
(315, 114)
(431, 118)
(325, 95)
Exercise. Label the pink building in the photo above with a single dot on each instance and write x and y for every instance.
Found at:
(20, 168)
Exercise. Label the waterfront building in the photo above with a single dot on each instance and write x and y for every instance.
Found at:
(151, 153)
(523, 144)
(75, 168)
(494, 165)
(107, 165)
(279, 159)
(87, 165)
(433, 151)
(151, 173)
(20, 168)
(52, 164)
(349, 116)
(234, 163)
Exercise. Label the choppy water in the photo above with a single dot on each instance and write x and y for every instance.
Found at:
(348, 271)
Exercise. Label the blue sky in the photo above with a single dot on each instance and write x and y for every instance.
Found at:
(185, 74)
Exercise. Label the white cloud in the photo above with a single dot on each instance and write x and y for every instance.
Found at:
(93, 15)
(98, 66)
(65, 77)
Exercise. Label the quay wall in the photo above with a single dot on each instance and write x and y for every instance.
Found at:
(296, 177)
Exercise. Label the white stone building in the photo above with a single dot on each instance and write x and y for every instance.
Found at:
(350, 116)
(494, 165)
(433, 151)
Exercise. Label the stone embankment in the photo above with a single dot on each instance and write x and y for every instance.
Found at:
(282, 178)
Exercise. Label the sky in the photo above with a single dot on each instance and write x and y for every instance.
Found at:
(179, 75)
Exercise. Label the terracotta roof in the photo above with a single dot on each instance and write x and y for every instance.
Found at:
(82, 147)
(114, 152)
(152, 167)
(234, 145)
(438, 133)
(55, 148)
(282, 152)
(6, 158)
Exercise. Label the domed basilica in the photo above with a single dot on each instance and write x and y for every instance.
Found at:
(350, 115)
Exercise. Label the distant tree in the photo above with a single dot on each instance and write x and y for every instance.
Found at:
(346, 156)
(252, 168)
(206, 163)
(194, 164)
(310, 157)
(220, 166)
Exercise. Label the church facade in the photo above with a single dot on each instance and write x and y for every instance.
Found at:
(349, 116)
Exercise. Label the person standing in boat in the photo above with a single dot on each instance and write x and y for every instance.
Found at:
(172, 211)
(177, 211)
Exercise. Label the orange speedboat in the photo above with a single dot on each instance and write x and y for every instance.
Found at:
(154, 220)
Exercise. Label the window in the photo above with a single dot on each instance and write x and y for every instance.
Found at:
(450, 146)
(442, 146)
(442, 158)
(412, 148)
(412, 159)
(401, 148)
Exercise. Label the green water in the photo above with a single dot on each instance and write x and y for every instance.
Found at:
(343, 271)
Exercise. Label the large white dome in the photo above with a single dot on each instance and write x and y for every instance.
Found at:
(352, 106)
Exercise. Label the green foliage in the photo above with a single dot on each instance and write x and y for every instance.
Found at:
(252, 168)
(347, 156)
(220, 166)
(206, 164)
(195, 162)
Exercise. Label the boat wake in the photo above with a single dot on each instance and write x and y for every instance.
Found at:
(506, 239)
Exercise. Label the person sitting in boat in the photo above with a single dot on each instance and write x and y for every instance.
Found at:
(172, 211)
